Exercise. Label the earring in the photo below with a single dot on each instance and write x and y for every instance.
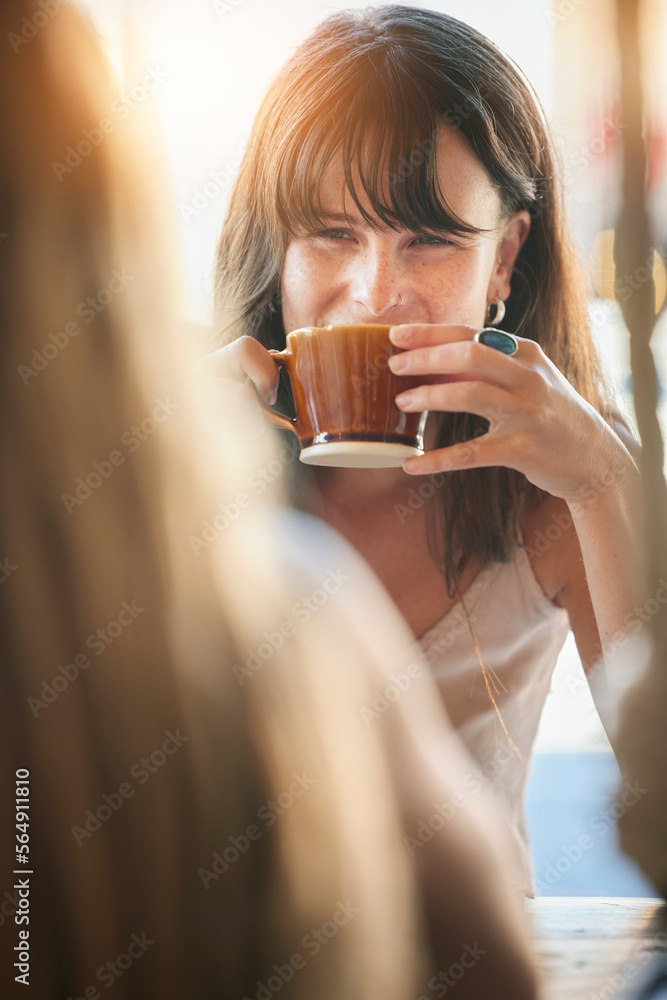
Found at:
(499, 316)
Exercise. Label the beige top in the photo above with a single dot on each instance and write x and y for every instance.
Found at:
(520, 633)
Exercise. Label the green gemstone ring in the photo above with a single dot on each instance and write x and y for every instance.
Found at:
(498, 340)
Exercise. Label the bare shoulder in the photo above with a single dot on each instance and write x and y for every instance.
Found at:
(552, 547)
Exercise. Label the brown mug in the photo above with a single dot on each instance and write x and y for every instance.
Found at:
(344, 396)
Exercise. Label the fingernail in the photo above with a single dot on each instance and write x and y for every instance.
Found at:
(272, 396)
(398, 335)
(404, 399)
(397, 362)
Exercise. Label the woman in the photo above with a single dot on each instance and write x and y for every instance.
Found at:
(186, 834)
(400, 171)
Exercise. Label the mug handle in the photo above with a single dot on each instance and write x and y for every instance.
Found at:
(276, 419)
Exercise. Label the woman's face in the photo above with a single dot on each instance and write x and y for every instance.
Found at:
(350, 273)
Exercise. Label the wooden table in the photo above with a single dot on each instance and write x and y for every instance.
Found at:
(599, 948)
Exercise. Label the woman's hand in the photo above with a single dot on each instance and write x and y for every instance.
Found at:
(223, 376)
(244, 358)
(538, 423)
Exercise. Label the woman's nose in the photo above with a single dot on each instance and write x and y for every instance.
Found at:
(376, 283)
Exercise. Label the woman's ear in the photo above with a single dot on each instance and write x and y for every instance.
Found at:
(512, 238)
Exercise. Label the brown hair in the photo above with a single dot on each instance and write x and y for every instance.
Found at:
(376, 84)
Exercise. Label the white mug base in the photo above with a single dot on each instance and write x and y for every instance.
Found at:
(358, 454)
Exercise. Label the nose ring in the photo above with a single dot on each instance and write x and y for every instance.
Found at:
(400, 302)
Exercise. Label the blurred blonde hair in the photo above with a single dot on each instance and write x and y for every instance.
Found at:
(171, 670)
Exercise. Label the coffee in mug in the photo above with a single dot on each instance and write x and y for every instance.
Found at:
(344, 396)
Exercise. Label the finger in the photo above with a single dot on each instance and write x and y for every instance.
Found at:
(477, 361)
(410, 335)
(480, 452)
(489, 401)
(244, 358)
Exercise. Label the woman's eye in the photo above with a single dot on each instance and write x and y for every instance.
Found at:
(429, 240)
(336, 234)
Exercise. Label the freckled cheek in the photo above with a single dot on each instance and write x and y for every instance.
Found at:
(296, 289)
(307, 285)
(455, 296)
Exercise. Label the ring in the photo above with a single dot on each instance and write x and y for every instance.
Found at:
(498, 340)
